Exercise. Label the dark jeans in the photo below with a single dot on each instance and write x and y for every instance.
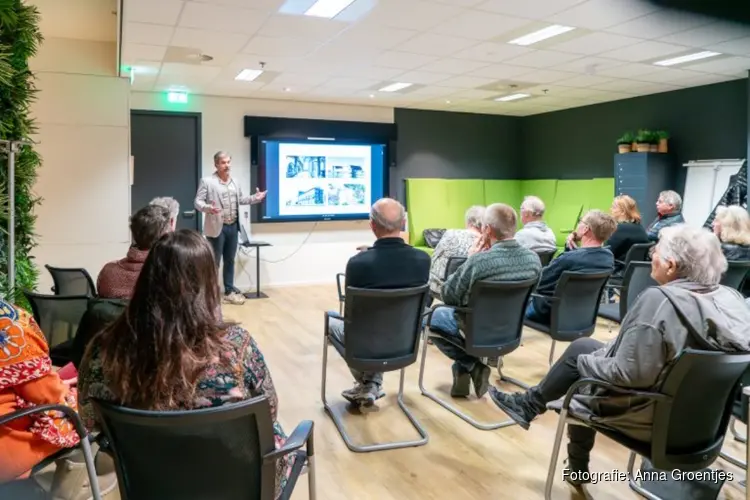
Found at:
(226, 245)
(336, 329)
(534, 315)
(555, 385)
(449, 339)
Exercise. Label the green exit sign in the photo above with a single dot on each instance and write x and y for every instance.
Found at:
(177, 97)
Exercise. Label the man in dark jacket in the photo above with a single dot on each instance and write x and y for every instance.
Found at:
(669, 210)
(389, 263)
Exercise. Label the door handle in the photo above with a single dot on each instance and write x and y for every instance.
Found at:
(189, 214)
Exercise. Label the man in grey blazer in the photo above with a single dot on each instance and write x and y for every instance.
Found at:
(220, 197)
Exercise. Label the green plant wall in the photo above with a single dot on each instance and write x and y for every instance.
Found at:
(19, 40)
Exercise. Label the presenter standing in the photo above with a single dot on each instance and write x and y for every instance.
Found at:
(220, 197)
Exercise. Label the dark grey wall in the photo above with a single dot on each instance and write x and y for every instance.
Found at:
(455, 146)
(705, 122)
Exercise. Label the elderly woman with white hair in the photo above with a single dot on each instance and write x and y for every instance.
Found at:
(668, 213)
(454, 243)
(732, 226)
(689, 309)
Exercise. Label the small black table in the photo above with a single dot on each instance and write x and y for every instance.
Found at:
(256, 245)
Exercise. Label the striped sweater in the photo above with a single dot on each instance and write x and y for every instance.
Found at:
(506, 261)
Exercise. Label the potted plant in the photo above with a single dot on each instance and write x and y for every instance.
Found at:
(653, 144)
(625, 142)
(663, 136)
(643, 141)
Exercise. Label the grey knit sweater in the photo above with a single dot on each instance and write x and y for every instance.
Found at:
(506, 261)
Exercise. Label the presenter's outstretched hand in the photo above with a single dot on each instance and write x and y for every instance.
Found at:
(260, 195)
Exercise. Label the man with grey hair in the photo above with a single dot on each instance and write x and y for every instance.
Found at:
(389, 263)
(535, 235)
(220, 197)
(505, 260)
(170, 204)
(454, 243)
(669, 213)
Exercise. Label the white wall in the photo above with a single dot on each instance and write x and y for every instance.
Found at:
(301, 252)
(82, 115)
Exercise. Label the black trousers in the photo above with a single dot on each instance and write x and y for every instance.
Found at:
(562, 375)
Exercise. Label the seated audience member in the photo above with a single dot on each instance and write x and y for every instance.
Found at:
(588, 257)
(732, 227)
(506, 260)
(629, 230)
(454, 243)
(27, 380)
(669, 213)
(688, 264)
(535, 235)
(389, 263)
(117, 279)
(170, 204)
(169, 350)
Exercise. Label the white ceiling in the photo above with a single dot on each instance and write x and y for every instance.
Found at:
(454, 51)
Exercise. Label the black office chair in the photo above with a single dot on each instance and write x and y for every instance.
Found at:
(340, 284)
(736, 273)
(545, 256)
(58, 316)
(574, 307)
(452, 266)
(701, 384)
(84, 444)
(639, 252)
(225, 452)
(637, 278)
(100, 313)
(71, 281)
(739, 412)
(381, 334)
(494, 323)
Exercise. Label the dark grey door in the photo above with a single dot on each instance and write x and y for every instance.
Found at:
(166, 149)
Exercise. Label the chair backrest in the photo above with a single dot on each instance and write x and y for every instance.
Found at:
(72, 281)
(205, 453)
(58, 316)
(735, 275)
(494, 317)
(574, 312)
(100, 313)
(383, 327)
(638, 252)
(637, 278)
(452, 266)
(545, 256)
(689, 426)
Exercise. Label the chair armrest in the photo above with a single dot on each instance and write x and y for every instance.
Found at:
(69, 413)
(334, 315)
(338, 285)
(746, 390)
(551, 298)
(302, 435)
(606, 385)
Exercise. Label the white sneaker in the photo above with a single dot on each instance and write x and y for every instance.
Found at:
(234, 299)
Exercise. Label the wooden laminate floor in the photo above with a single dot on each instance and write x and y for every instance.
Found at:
(459, 462)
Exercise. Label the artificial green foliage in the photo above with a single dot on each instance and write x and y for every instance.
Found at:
(626, 138)
(19, 40)
(662, 135)
(644, 136)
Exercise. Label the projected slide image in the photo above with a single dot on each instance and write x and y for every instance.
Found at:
(345, 168)
(305, 167)
(341, 195)
(308, 197)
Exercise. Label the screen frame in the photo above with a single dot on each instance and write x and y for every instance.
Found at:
(259, 180)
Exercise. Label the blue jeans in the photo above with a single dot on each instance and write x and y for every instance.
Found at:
(449, 340)
(533, 315)
(226, 245)
(336, 330)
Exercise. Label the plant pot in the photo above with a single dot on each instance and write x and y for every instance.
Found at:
(643, 147)
(634, 146)
(623, 148)
(653, 148)
(663, 146)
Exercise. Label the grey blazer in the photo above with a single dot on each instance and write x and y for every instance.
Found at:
(209, 193)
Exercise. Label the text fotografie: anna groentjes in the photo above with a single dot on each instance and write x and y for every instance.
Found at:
(714, 476)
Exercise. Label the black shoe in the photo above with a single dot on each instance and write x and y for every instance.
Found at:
(480, 376)
(517, 406)
(461, 382)
(576, 472)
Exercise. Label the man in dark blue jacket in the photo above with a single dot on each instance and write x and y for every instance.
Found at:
(593, 230)
(669, 213)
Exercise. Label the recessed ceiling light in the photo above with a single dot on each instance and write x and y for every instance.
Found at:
(543, 34)
(697, 56)
(447, 102)
(395, 87)
(372, 96)
(248, 75)
(287, 89)
(512, 97)
(328, 8)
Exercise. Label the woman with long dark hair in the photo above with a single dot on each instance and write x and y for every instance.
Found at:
(170, 350)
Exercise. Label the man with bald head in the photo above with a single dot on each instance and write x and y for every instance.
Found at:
(389, 263)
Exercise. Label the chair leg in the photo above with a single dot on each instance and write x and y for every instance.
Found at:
(555, 455)
(551, 353)
(737, 436)
(450, 408)
(341, 308)
(312, 489)
(632, 482)
(90, 468)
(424, 438)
